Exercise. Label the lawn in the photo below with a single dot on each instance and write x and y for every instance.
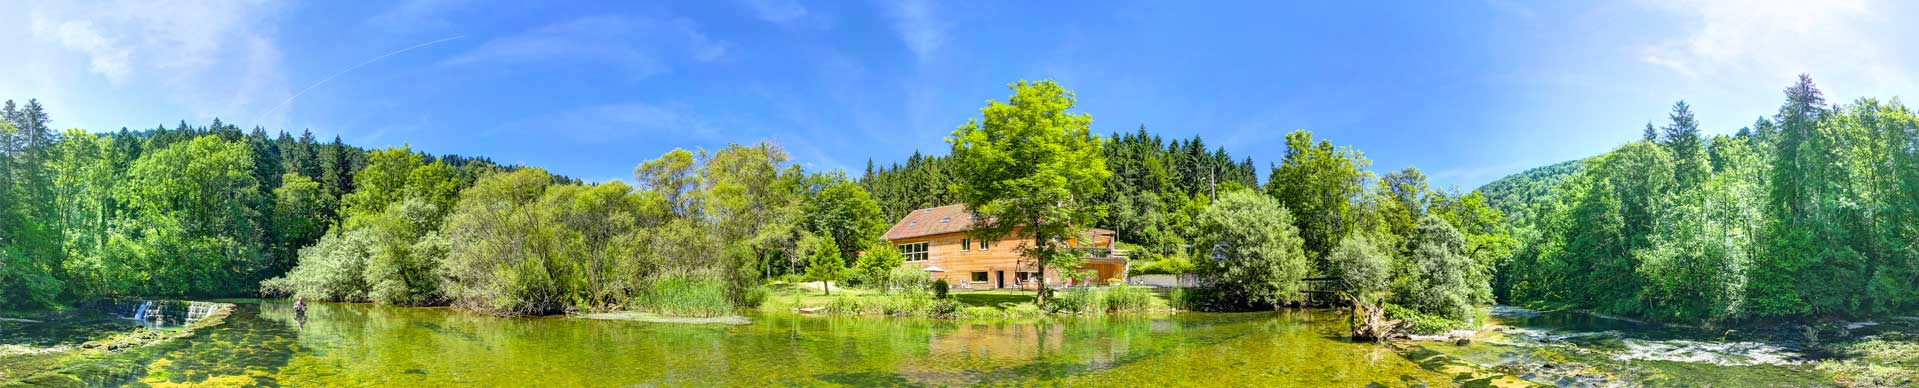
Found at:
(993, 298)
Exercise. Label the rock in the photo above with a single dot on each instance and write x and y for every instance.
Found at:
(1463, 341)
(811, 310)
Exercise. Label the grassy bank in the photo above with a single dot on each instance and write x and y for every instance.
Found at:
(995, 304)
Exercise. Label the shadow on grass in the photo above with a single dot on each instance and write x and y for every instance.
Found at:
(991, 299)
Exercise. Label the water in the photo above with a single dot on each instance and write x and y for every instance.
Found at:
(262, 343)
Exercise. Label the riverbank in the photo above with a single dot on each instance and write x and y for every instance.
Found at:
(985, 304)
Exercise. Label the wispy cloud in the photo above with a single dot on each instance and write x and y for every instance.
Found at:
(173, 50)
(644, 45)
(919, 25)
(1777, 39)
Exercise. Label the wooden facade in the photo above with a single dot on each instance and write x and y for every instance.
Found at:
(937, 237)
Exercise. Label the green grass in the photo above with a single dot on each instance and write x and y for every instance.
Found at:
(993, 298)
(685, 296)
(993, 304)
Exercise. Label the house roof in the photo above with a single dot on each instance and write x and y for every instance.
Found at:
(941, 220)
(931, 221)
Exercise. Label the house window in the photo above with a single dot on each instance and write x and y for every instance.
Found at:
(913, 252)
(965, 244)
(979, 277)
(982, 244)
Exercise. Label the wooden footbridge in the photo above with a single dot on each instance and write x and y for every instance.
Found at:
(1327, 291)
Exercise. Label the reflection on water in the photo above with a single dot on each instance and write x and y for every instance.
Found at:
(357, 345)
(263, 343)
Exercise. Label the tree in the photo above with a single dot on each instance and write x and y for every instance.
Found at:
(823, 262)
(1365, 269)
(1252, 252)
(845, 213)
(1438, 276)
(1029, 167)
(1319, 183)
(1687, 146)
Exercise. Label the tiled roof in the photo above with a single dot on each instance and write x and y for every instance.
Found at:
(931, 221)
(942, 220)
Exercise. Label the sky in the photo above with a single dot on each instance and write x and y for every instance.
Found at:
(1466, 91)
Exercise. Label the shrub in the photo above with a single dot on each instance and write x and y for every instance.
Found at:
(904, 279)
(1169, 265)
(844, 305)
(754, 297)
(940, 288)
(1420, 323)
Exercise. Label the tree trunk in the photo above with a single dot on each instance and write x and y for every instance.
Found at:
(1039, 261)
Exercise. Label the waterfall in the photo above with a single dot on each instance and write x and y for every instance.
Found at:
(140, 314)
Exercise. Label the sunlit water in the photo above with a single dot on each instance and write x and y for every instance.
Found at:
(262, 343)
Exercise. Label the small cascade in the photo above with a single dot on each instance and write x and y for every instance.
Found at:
(199, 310)
(140, 313)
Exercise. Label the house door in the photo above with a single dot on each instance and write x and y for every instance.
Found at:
(1002, 279)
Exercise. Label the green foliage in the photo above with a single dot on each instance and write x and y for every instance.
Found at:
(1028, 166)
(823, 261)
(1170, 265)
(1255, 253)
(1318, 183)
(879, 260)
(1437, 277)
(1518, 195)
(1809, 214)
(1117, 298)
(846, 213)
(1366, 270)
(940, 288)
(1422, 323)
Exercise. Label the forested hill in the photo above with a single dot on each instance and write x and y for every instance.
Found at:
(1810, 213)
(1514, 193)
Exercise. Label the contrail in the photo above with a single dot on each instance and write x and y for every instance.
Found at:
(348, 70)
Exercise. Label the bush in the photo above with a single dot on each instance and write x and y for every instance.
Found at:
(1169, 265)
(754, 297)
(1420, 323)
(904, 279)
(940, 288)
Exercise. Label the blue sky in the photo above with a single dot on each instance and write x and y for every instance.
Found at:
(1467, 91)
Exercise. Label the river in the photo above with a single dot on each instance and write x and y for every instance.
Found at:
(262, 343)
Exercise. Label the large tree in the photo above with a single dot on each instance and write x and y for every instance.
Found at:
(1318, 183)
(1250, 249)
(1029, 167)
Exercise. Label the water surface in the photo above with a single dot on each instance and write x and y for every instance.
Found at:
(262, 343)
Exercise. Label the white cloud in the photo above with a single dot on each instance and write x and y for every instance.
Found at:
(918, 26)
(105, 55)
(1774, 40)
(211, 58)
(645, 45)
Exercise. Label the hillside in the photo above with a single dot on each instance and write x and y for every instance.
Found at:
(1512, 193)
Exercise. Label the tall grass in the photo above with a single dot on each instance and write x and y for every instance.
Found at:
(1116, 298)
(686, 295)
(912, 303)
